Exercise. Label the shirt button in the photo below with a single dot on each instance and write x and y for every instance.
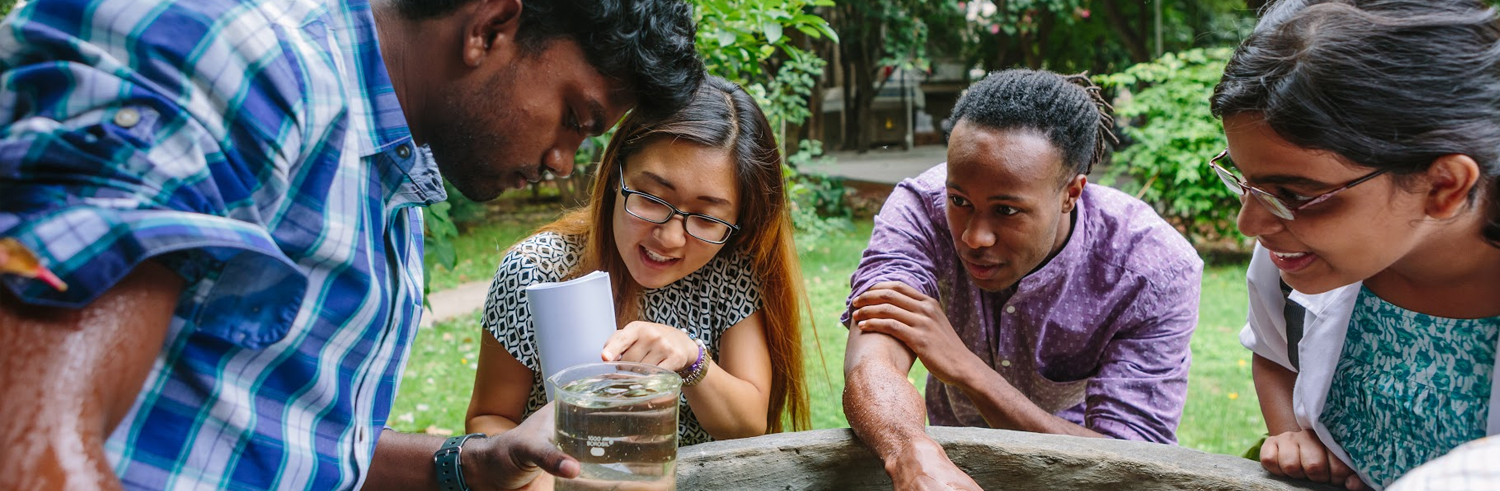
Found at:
(1010, 309)
(1004, 363)
(127, 118)
(403, 151)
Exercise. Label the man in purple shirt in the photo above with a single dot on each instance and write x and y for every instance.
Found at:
(1037, 302)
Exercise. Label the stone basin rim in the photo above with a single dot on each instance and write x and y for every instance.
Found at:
(997, 459)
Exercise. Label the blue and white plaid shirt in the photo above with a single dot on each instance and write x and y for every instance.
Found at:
(256, 148)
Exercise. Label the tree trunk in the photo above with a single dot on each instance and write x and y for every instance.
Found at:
(1134, 40)
(862, 72)
(864, 96)
(850, 114)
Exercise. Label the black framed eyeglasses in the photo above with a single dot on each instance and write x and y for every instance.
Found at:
(1277, 206)
(648, 207)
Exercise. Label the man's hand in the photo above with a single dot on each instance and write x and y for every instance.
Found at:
(515, 458)
(1300, 455)
(900, 311)
(925, 466)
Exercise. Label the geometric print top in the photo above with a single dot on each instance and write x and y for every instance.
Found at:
(1409, 387)
(706, 303)
(257, 149)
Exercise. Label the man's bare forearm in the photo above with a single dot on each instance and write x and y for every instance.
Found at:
(506, 461)
(883, 408)
(888, 414)
(403, 461)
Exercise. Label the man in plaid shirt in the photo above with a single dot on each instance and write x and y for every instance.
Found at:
(229, 190)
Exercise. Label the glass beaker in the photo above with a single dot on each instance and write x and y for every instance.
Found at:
(620, 421)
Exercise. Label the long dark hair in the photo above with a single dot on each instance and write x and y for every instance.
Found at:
(720, 115)
(1384, 84)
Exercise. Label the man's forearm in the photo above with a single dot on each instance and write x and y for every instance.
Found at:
(1004, 407)
(883, 409)
(506, 461)
(403, 461)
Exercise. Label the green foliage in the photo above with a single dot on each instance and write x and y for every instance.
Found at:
(747, 41)
(1070, 36)
(818, 206)
(463, 209)
(1174, 135)
(438, 241)
(481, 245)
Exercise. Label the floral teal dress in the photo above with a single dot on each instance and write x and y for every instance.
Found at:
(1409, 387)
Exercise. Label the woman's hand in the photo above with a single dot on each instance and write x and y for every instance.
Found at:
(652, 344)
(1300, 455)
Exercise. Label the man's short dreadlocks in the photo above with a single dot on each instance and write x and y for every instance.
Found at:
(1068, 110)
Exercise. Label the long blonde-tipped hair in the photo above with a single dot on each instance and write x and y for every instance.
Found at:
(721, 115)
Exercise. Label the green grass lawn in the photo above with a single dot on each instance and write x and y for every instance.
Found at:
(479, 249)
(1221, 416)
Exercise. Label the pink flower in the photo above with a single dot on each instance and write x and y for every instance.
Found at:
(1083, 13)
(994, 28)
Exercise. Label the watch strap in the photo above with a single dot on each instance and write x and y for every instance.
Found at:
(450, 473)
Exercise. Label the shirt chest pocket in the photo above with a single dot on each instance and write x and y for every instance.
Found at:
(1053, 396)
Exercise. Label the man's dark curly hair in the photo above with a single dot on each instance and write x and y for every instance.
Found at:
(1068, 110)
(647, 45)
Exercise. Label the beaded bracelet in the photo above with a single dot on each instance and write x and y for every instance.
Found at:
(695, 372)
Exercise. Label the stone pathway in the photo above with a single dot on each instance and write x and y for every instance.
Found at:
(457, 302)
(885, 166)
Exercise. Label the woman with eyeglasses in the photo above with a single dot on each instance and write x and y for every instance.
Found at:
(689, 217)
(1364, 139)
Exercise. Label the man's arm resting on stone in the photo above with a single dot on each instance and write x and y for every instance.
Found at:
(67, 378)
(886, 412)
(882, 406)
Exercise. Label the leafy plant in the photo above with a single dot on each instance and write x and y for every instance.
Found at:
(1174, 135)
(817, 200)
(438, 240)
(749, 42)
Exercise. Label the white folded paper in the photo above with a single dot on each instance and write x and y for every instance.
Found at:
(573, 320)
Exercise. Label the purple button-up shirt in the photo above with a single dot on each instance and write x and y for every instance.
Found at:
(1098, 335)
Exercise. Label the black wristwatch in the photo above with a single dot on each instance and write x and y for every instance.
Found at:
(450, 474)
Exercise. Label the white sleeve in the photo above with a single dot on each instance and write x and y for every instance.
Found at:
(1265, 326)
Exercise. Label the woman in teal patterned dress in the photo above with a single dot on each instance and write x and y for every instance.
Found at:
(1368, 134)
